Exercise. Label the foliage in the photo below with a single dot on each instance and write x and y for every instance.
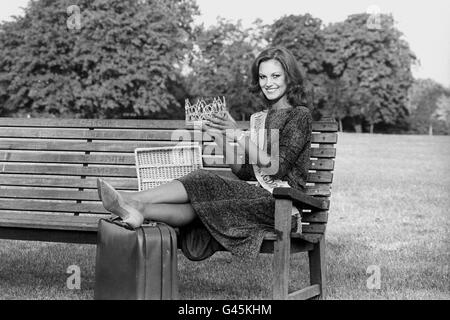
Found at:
(302, 35)
(374, 65)
(104, 59)
(355, 71)
(429, 107)
(442, 112)
(220, 64)
(143, 58)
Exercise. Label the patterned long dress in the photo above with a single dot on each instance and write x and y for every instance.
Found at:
(234, 214)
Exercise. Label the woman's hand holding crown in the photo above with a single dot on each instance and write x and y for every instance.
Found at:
(225, 124)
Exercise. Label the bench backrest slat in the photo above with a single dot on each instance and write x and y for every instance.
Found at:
(92, 159)
(52, 206)
(110, 171)
(117, 146)
(49, 194)
(63, 182)
(136, 135)
(320, 126)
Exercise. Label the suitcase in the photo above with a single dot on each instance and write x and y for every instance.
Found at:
(135, 264)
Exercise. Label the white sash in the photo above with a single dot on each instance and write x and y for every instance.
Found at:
(257, 135)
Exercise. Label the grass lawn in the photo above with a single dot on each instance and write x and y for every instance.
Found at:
(389, 208)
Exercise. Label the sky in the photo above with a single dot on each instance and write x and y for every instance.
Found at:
(425, 24)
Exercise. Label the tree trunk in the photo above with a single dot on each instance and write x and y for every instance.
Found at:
(340, 125)
(242, 116)
(430, 130)
(371, 128)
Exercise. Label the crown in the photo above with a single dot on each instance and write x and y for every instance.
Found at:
(202, 110)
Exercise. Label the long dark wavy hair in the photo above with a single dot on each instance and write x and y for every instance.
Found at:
(295, 92)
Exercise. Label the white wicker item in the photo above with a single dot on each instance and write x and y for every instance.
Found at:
(156, 166)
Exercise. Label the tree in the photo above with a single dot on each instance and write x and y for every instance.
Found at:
(355, 71)
(302, 35)
(375, 66)
(336, 100)
(428, 104)
(442, 112)
(97, 58)
(220, 64)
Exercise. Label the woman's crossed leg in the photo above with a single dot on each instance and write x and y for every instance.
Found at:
(168, 203)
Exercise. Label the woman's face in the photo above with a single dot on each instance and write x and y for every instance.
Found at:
(272, 79)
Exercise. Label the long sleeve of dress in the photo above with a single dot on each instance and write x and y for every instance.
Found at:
(294, 140)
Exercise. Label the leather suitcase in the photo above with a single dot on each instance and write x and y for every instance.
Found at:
(135, 264)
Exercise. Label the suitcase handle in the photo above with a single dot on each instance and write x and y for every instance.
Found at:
(118, 221)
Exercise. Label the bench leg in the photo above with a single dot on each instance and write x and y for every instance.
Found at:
(281, 270)
(282, 250)
(317, 266)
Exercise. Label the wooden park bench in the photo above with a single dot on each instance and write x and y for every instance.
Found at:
(49, 167)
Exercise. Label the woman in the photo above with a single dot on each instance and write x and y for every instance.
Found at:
(212, 211)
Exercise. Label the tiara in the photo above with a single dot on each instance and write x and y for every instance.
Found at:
(200, 111)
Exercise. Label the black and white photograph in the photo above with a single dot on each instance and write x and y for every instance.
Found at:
(224, 156)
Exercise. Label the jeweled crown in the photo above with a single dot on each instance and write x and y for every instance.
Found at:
(202, 110)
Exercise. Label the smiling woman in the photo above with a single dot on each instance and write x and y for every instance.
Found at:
(277, 77)
(272, 80)
(232, 213)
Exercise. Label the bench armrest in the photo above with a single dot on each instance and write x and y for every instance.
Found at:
(301, 199)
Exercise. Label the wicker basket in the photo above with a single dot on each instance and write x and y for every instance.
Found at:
(156, 166)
